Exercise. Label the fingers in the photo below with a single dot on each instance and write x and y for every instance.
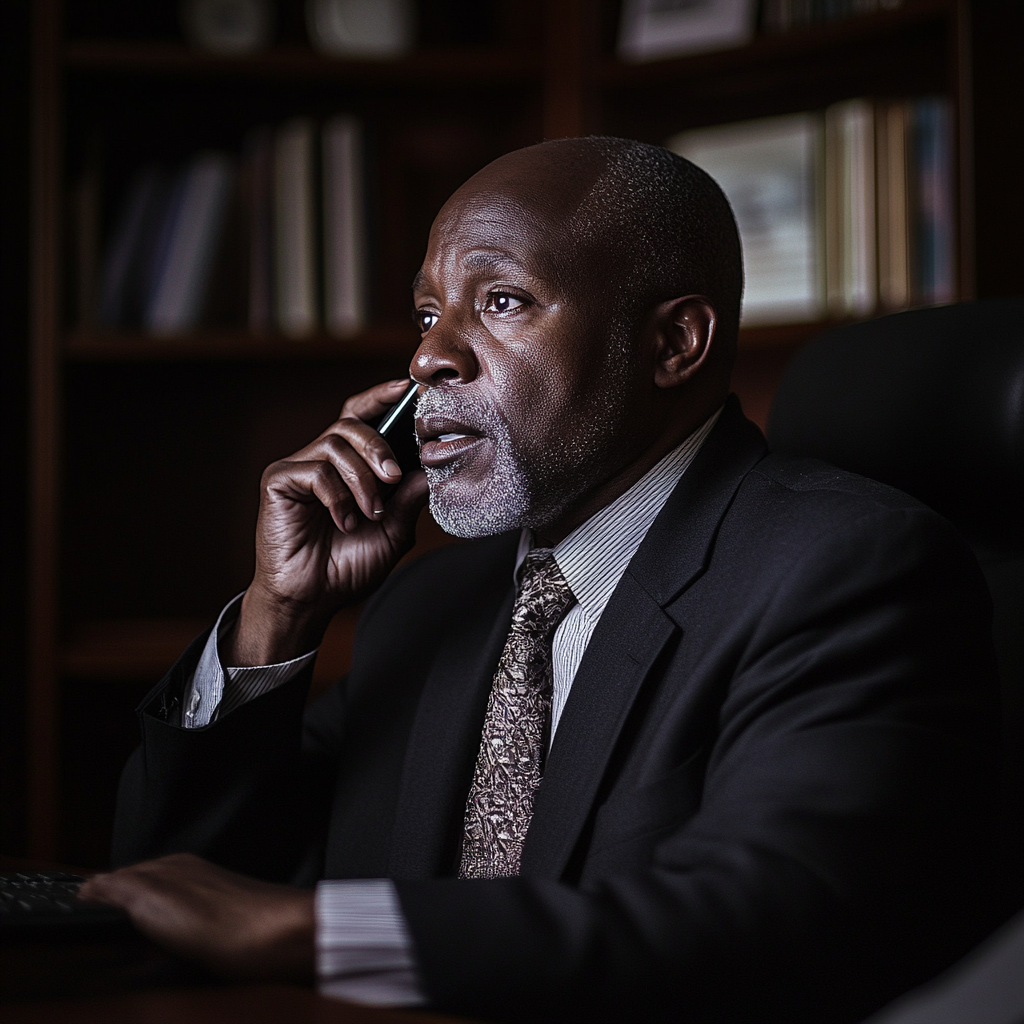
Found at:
(237, 926)
(125, 887)
(372, 404)
(359, 456)
(337, 479)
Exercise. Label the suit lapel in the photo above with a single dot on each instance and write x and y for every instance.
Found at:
(632, 633)
(445, 736)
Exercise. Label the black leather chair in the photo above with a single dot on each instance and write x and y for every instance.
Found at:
(932, 401)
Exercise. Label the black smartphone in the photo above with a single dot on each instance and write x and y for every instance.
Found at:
(398, 426)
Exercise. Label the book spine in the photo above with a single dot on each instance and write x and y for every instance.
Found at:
(893, 210)
(834, 294)
(862, 274)
(180, 287)
(294, 229)
(259, 211)
(850, 208)
(344, 245)
(933, 158)
(127, 255)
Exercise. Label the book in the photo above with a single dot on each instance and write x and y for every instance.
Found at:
(894, 248)
(344, 242)
(127, 255)
(769, 169)
(934, 214)
(787, 15)
(851, 241)
(258, 202)
(656, 29)
(295, 229)
(188, 243)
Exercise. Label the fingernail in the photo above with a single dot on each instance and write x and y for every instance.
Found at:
(391, 467)
(350, 522)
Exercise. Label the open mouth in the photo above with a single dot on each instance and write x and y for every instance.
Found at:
(442, 439)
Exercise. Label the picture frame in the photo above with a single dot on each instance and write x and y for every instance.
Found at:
(660, 29)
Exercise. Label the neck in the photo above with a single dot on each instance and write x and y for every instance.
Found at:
(612, 487)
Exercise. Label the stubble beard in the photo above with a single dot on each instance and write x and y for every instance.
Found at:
(519, 490)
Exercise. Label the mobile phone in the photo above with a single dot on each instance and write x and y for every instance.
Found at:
(399, 427)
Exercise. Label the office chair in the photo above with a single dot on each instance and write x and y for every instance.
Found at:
(932, 401)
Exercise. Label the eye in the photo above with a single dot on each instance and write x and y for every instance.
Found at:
(503, 302)
(426, 318)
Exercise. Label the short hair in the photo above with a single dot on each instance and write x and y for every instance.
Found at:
(670, 221)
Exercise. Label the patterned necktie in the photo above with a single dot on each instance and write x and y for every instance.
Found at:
(508, 767)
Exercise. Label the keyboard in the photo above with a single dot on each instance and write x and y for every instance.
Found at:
(37, 904)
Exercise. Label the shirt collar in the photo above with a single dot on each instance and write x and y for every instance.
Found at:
(595, 555)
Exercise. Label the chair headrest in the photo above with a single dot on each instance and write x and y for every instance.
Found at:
(930, 401)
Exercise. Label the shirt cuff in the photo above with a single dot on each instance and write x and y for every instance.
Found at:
(215, 690)
(363, 947)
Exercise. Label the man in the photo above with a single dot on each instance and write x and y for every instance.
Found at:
(696, 732)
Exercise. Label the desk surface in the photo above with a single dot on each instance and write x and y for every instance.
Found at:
(250, 1004)
(132, 981)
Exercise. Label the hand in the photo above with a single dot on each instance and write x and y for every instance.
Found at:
(235, 926)
(324, 537)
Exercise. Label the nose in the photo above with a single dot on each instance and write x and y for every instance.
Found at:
(444, 356)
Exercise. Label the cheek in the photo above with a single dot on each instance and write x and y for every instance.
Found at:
(536, 402)
(548, 384)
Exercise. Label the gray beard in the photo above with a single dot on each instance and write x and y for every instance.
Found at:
(517, 492)
(504, 502)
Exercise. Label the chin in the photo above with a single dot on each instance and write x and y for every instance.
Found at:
(469, 508)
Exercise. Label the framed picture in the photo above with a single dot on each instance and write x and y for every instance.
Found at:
(656, 29)
(770, 170)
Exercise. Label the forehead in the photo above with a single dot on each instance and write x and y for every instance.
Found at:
(494, 230)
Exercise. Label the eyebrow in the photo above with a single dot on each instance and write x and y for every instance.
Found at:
(475, 261)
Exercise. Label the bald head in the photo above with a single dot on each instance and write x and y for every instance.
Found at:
(648, 224)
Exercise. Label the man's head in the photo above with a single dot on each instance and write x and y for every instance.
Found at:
(579, 303)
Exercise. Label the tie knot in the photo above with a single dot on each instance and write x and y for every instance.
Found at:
(544, 596)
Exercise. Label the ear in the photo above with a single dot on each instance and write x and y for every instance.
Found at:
(683, 332)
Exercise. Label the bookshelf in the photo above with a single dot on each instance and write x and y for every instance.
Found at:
(146, 452)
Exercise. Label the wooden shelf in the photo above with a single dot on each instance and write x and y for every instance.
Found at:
(380, 342)
(297, 62)
(777, 47)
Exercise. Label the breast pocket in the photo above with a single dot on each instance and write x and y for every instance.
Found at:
(630, 824)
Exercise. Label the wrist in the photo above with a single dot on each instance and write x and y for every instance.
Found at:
(270, 630)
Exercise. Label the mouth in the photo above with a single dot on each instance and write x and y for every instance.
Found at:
(443, 439)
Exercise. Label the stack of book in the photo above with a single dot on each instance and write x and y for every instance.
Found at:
(276, 238)
(787, 15)
(842, 213)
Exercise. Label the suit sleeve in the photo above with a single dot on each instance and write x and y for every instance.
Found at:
(834, 858)
(249, 791)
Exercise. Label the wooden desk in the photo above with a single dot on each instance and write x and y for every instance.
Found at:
(129, 980)
(251, 1004)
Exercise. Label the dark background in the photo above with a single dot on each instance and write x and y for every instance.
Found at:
(14, 283)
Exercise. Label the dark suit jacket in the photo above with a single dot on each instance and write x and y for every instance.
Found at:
(766, 800)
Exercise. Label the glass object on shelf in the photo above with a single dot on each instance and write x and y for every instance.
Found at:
(361, 28)
(228, 27)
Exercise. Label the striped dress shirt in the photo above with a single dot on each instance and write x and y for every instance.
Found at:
(364, 950)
